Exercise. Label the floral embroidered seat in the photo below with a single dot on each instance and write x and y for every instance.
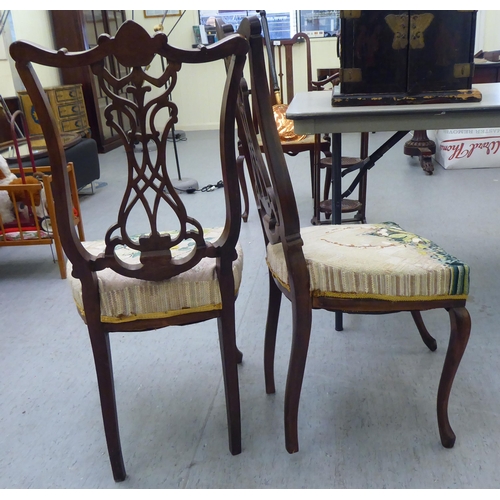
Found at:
(374, 261)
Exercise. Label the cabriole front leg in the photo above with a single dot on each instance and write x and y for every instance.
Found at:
(459, 336)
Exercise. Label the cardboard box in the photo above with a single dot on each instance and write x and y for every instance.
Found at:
(467, 148)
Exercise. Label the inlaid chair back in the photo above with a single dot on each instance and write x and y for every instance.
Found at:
(156, 264)
(361, 268)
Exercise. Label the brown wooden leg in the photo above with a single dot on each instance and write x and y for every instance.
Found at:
(426, 161)
(311, 168)
(316, 189)
(302, 315)
(326, 190)
(459, 336)
(229, 354)
(420, 145)
(101, 349)
(102, 358)
(429, 341)
(51, 209)
(243, 185)
(328, 183)
(61, 259)
(273, 312)
(419, 140)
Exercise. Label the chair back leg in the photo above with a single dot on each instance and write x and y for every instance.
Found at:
(102, 358)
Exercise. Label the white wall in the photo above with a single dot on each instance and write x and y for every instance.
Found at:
(199, 110)
(32, 25)
(492, 30)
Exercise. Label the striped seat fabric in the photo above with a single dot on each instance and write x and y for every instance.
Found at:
(126, 299)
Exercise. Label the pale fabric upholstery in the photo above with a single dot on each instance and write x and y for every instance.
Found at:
(379, 261)
(126, 299)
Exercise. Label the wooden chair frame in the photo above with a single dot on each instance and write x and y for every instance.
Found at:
(38, 236)
(280, 222)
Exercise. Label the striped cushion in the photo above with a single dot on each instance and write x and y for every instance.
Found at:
(126, 299)
(380, 261)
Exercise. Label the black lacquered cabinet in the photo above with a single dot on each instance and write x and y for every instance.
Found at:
(406, 56)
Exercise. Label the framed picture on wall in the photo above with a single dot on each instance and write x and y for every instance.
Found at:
(161, 13)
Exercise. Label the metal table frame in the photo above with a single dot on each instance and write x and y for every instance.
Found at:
(313, 113)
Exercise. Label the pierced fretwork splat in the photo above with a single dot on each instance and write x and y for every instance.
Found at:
(145, 100)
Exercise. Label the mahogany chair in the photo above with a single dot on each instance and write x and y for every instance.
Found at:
(355, 207)
(175, 271)
(352, 268)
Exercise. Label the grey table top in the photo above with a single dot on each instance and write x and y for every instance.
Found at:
(313, 113)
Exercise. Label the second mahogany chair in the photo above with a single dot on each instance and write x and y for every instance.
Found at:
(360, 268)
(156, 265)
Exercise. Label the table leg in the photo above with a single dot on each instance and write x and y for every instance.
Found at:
(367, 164)
(337, 200)
(336, 178)
(420, 145)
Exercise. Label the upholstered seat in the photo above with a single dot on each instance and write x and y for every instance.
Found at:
(125, 299)
(375, 261)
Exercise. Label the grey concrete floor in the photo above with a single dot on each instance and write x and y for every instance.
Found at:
(367, 416)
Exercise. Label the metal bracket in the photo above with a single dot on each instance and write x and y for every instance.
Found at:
(462, 70)
(350, 75)
(350, 14)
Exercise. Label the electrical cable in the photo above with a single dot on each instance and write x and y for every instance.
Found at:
(205, 189)
(180, 17)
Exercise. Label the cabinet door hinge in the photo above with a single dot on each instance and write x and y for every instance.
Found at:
(350, 75)
(350, 14)
(462, 70)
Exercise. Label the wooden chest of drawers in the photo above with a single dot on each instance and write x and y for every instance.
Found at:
(68, 106)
